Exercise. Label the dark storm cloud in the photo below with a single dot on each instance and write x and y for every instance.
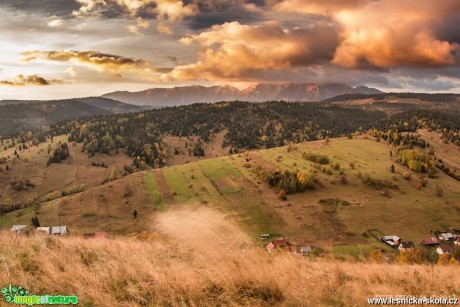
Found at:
(47, 7)
(448, 28)
(206, 18)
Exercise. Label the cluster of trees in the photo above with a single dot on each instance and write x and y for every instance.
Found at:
(20, 185)
(418, 162)
(419, 96)
(447, 122)
(287, 181)
(58, 154)
(447, 170)
(377, 183)
(315, 157)
(248, 126)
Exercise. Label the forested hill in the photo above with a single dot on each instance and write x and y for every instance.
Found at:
(424, 97)
(248, 126)
(17, 116)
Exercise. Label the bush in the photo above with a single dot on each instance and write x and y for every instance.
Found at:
(407, 175)
(282, 195)
(317, 158)
(439, 191)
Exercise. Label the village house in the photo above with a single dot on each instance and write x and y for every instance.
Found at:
(406, 246)
(46, 230)
(444, 249)
(101, 234)
(305, 250)
(446, 236)
(18, 228)
(392, 241)
(430, 241)
(265, 236)
(88, 235)
(282, 244)
(59, 230)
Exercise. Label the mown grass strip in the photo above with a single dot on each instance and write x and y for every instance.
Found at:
(154, 191)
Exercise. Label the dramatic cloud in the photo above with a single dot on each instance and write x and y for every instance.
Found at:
(232, 50)
(387, 33)
(320, 7)
(390, 44)
(99, 61)
(166, 11)
(21, 80)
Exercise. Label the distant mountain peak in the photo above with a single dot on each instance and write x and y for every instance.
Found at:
(183, 95)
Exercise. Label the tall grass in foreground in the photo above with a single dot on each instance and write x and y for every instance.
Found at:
(149, 270)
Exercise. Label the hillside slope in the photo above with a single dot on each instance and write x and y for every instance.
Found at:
(16, 116)
(335, 216)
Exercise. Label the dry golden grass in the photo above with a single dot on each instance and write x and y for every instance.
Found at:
(199, 258)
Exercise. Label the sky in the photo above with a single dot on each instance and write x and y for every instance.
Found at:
(52, 49)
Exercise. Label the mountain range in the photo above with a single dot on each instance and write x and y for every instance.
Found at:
(161, 97)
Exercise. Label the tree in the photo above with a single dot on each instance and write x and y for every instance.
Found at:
(282, 195)
(114, 174)
(135, 214)
(35, 221)
(392, 168)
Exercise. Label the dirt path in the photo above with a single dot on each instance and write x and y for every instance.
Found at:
(163, 186)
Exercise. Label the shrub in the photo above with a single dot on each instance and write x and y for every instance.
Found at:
(352, 165)
(407, 175)
(282, 195)
(336, 166)
(439, 191)
(317, 158)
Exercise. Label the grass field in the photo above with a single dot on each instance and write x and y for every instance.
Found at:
(229, 185)
(154, 191)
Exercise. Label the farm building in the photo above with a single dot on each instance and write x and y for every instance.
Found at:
(88, 235)
(305, 250)
(46, 230)
(59, 230)
(444, 249)
(406, 246)
(446, 236)
(101, 234)
(265, 236)
(392, 241)
(282, 244)
(18, 228)
(429, 241)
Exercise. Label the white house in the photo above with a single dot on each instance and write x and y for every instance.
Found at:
(46, 230)
(446, 236)
(445, 249)
(393, 241)
(59, 230)
(305, 250)
(18, 228)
